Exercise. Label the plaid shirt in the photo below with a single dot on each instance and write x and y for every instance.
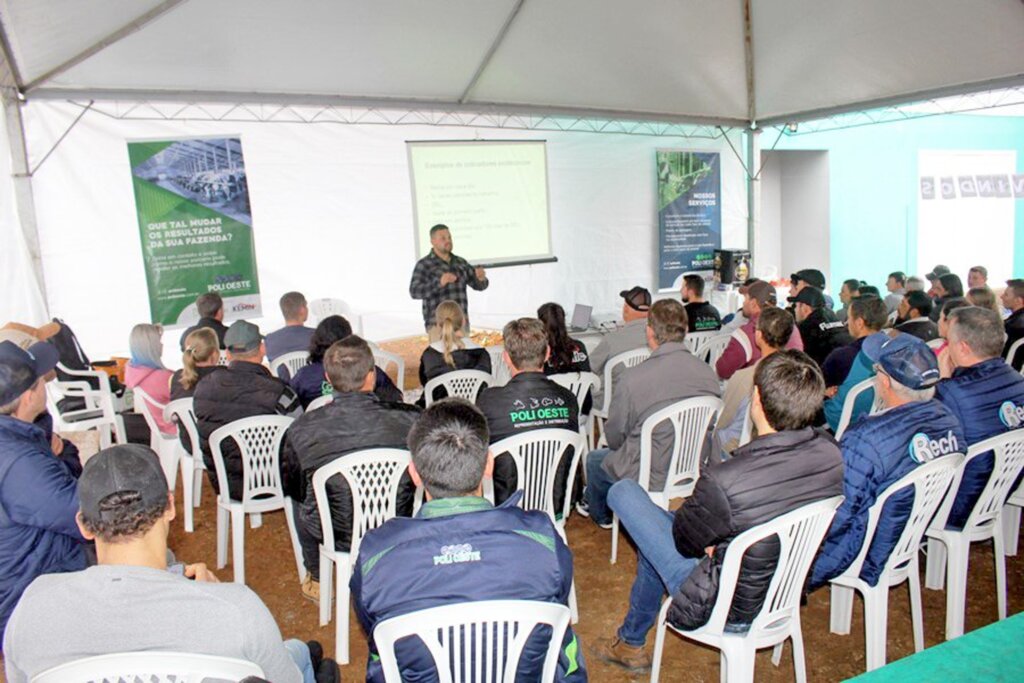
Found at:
(427, 276)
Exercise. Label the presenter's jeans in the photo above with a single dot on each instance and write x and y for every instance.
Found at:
(660, 568)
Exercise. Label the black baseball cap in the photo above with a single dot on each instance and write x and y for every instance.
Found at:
(811, 296)
(937, 272)
(20, 368)
(813, 277)
(126, 468)
(637, 298)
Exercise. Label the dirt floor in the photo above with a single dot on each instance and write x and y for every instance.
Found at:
(602, 590)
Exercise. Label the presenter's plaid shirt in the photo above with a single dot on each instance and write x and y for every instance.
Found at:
(427, 276)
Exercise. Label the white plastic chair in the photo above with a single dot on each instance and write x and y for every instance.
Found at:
(321, 308)
(461, 383)
(291, 362)
(627, 359)
(697, 342)
(1011, 520)
(929, 483)
(319, 402)
(384, 358)
(192, 466)
(497, 629)
(99, 412)
(153, 667)
(1011, 354)
(747, 432)
(580, 384)
(800, 533)
(537, 454)
(716, 347)
(692, 420)
(259, 441)
(166, 446)
(950, 548)
(851, 400)
(373, 476)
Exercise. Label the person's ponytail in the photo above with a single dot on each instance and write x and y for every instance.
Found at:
(200, 347)
(449, 320)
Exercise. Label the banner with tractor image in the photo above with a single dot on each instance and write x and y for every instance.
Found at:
(195, 223)
(689, 213)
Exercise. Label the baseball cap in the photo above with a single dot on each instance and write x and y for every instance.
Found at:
(242, 337)
(811, 296)
(762, 292)
(937, 272)
(745, 287)
(904, 357)
(638, 298)
(815, 278)
(38, 359)
(125, 468)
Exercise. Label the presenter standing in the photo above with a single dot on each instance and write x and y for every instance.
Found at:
(441, 275)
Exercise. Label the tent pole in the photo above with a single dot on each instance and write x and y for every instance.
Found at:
(753, 194)
(21, 179)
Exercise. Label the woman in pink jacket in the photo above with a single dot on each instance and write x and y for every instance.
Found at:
(147, 372)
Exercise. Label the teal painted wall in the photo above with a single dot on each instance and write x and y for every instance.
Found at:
(874, 187)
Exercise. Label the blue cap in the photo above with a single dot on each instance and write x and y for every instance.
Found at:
(904, 357)
(20, 368)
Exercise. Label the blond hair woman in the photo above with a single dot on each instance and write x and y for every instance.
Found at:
(452, 351)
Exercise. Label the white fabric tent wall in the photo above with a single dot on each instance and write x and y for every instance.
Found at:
(333, 217)
(21, 300)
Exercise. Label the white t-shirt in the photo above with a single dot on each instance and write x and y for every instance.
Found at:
(117, 608)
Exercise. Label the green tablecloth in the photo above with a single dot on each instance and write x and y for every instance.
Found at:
(992, 653)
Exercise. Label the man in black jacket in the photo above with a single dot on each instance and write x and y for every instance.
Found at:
(788, 465)
(527, 402)
(354, 420)
(914, 316)
(820, 329)
(243, 389)
(1013, 299)
(210, 307)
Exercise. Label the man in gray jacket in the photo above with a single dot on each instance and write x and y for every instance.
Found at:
(636, 304)
(671, 374)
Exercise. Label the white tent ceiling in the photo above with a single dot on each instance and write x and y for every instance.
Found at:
(672, 60)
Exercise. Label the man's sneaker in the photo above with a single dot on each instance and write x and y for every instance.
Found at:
(614, 651)
(582, 509)
(604, 525)
(311, 589)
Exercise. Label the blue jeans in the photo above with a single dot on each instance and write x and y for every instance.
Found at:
(299, 652)
(598, 483)
(660, 568)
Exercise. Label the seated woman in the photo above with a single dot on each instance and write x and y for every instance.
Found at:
(451, 351)
(147, 372)
(983, 297)
(310, 383)
(566, 354)
(948, 306)
(201, 357)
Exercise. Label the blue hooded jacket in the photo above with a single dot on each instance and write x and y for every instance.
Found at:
(462, 550)
(988, 399)
(877, 451)
(38, 503)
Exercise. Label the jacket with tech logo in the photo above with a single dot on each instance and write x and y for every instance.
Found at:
(985, 398)
(463, 550)
(878, 451)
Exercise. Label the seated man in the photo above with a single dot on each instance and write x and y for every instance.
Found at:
(788, 465)
(460, 548)
(137, 598)
(1013, 299)
(774, 328)
(355, 419)
(211, 314)
(849, 291)
(38, 491)
(881, 449)
(636, 304)
(671, 374)
(982, 391)
(294, 336)
(895, 284)
(703, 316)
(847, 366)
(741, 351)
(820, 331)
(528, 401)
(914, 316)
(243, 389)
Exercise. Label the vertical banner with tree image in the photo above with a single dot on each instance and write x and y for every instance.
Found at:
(195, 223)
(689, 213)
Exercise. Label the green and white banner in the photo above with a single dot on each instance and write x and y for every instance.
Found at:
(196, 226)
